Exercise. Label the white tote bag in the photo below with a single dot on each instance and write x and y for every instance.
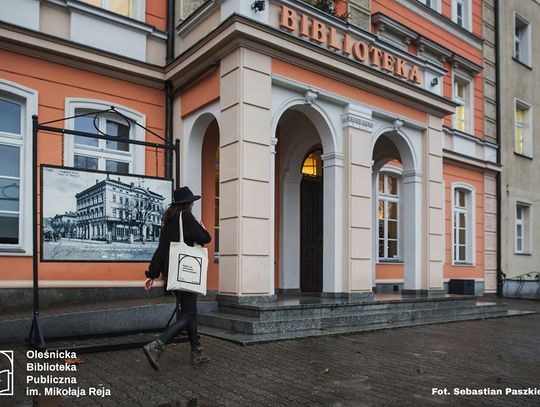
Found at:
(188, 266)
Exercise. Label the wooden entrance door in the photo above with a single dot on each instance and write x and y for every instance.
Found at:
(311, 234)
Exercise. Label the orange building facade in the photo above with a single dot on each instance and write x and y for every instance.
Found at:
(342, 159)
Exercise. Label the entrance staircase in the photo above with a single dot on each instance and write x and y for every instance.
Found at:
(299, 317)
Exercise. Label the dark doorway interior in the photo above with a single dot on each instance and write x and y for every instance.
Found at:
(311, 232)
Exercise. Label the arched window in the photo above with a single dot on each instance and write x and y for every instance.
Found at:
(312, 166)
(104, 155)
(463, 234)
(388, 216)
(17, 105)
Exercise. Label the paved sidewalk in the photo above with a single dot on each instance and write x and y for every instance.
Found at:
(383, 368)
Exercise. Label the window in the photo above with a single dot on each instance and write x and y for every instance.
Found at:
(11, 140)
(312, 166)
(462, 96)
(463, 224)
(388, 203)
(523, 129)
(104, 155)
(127, 8)
(522, 40)
(522, 228)
(97, 154)
(461, 13)
(433, 4)
(17, 105)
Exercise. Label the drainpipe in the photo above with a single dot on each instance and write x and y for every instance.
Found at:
(168, 127)
(170, 31)
(499, 138)
(169, 88)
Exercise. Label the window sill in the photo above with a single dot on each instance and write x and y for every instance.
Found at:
(529, 67)
(463, 264)
(396, 262)
(133, 22)
(13, 251)
(523, 155)
(446, 23)
(523, 254)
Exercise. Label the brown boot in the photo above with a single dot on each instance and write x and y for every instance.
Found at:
(153, 351)
(198, 357)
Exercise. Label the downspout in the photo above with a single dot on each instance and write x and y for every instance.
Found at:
(499, 138)
(169, 89)
(170, 31)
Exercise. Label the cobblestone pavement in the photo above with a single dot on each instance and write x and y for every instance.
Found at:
(396, 367)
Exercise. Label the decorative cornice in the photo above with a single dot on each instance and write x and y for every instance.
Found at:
(357, 122)
(333, 159)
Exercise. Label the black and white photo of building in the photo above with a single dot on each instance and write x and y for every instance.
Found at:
(97, 216)
(112, 210)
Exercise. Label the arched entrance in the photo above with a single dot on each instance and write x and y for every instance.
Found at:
(397, 196)
(311, 223)
(305, 229)
(201, 174)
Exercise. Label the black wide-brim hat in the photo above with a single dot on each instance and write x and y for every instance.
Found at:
(183, 196)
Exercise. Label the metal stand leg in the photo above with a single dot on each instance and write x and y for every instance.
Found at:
(35, 338)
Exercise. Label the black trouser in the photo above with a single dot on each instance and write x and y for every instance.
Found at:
(187, 319)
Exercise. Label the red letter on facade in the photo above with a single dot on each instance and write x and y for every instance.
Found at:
(318, 32)
(332, 40)
(288, 19)
(388, 62)
(376, 56)
(304, 25)
(414, 75)
(399, 67)
(360, 51)
(346, 45)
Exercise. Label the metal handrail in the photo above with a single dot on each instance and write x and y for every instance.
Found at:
(521, 283)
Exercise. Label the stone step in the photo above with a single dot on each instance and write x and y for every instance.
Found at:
(255, 326)
(249, 339)
(276, 312)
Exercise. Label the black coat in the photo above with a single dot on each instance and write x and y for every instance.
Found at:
(170, 232)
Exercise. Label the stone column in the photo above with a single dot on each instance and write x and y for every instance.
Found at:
(414, 275)
(246, 269)
(332, 224)
(357, 210)
(490, 233)
(425, 276)
(434, 186)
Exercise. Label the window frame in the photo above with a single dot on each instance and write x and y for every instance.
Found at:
(470, 249)
(526, 228)
(28, 99)
(396, 174)
(435, 4)
(458, 76)
(467, 18)
(137, 9)
(528, 40)
(137, 164)
(528, 139)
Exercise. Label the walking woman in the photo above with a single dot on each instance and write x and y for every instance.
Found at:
(194, 232)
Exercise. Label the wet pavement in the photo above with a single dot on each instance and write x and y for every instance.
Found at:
(384, 368)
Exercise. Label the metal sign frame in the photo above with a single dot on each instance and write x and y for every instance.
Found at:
(36, 337)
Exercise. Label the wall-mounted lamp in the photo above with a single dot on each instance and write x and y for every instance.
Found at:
(434, 81)
(258, 5)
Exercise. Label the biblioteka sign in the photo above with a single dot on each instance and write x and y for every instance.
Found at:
(316, 31)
